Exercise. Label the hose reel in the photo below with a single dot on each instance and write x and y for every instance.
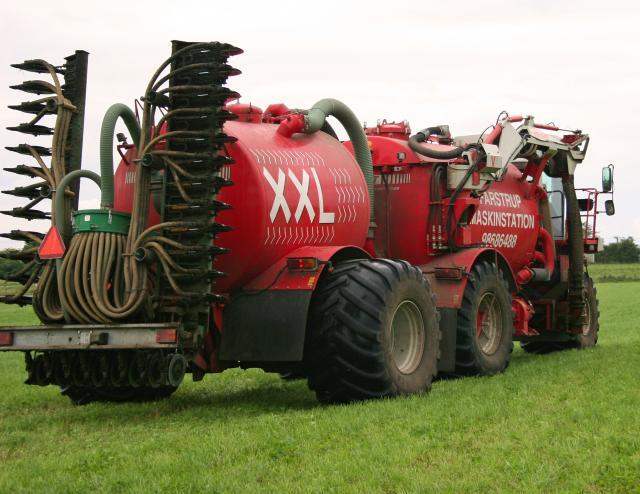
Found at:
(116, 268)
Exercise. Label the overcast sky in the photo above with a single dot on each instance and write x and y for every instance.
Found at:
(575, 63)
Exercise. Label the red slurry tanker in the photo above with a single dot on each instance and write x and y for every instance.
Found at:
(231, 237)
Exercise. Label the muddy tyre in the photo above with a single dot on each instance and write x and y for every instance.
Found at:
(590, 330)
(484, 337)
(372, 333)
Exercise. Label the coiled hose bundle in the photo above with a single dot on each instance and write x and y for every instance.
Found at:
(106, 276)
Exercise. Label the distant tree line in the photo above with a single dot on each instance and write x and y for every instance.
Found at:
(624, 251)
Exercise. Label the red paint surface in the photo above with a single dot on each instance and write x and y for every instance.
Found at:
(337, 211)
(124, 181)
(273, 220)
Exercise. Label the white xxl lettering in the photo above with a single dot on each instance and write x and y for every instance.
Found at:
(279, 202)
(304, 202)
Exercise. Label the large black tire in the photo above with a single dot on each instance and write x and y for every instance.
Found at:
(484, 338)
(589, 336)
(83, 396)
(372, 333)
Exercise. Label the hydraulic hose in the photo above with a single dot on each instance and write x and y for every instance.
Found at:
(61, 221)
(107, 277)
(315, 120)
(109, 121)
(420, 137)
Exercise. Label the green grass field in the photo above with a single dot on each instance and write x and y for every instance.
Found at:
(606, 273)
(566, 422)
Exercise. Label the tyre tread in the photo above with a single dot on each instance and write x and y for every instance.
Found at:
(344, 357)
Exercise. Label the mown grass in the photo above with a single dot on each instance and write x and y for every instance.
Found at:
(562, 422)
(606, 273)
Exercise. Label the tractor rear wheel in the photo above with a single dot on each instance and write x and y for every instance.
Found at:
(484, 338)
(590, 328)
(372, 333)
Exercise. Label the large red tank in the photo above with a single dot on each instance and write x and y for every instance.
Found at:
(287, 192)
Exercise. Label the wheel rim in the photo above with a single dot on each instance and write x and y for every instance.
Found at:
(489, 323)
(407, 337)
(586, 316)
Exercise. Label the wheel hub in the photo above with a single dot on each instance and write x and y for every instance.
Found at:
(407, 337)
(488, 324)
(586, 316)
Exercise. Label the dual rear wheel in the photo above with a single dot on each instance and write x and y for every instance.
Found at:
(374, 330)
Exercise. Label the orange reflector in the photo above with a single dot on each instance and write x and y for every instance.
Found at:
(166, 336)
(6, 338)
(52, 246)
(448, 273)
(302, 263)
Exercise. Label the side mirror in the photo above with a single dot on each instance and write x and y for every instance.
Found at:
(607, 178)
(609, 207)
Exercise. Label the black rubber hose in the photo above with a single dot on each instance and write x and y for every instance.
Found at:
(420, 137)
(576, 252)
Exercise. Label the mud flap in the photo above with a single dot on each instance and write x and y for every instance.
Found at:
(268, 326)
(448, 323)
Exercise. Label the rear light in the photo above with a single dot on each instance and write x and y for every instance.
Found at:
(449, 273)
(303, 263)
(6, 338)
(167, 336)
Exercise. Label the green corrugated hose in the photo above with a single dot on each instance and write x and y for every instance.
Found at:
(314, 121)
(106, 146)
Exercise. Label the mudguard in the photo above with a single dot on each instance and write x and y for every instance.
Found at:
(449, 292)
(267, 320)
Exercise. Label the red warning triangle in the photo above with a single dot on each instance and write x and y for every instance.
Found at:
(52, 246)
